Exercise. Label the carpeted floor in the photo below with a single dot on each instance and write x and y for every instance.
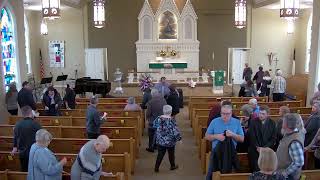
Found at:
(186, 157)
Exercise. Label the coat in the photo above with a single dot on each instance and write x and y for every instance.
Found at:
(25, 98)
(43, 164)
(47, 102)
(155, 109)
(173, 101)
(225, 156)
(312, 125)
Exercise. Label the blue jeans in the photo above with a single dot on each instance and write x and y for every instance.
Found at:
(211, 167)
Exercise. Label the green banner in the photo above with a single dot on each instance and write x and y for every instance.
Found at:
(218, 78)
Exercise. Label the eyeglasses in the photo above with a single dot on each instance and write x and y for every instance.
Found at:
(226, 114)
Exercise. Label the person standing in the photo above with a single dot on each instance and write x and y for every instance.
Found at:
(279, 86)
(265, 88)
(146, 98)
(173, 100)
(258, 77)
(52, 102)
(70, 98)
(220, 129)
(25, 97)
(154, 110)
(12, 99)
(283, 110)
(261, 133)
(313, 123)
(88, 164)
(290, 151)
(167, 135)
(93, 119)
(24, 136)
(163, 87)
(247, 72)
(43, 163)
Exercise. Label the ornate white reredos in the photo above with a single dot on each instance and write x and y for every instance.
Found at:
(149, 43)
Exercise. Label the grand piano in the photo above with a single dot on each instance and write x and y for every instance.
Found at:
(96, 86)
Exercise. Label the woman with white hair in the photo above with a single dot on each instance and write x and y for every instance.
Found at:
(42, 162)
(131, 105)
(279, 86)
(167, 135)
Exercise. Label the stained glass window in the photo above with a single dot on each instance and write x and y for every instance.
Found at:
(8, 47)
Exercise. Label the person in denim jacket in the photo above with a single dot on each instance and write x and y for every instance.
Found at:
(167, 135)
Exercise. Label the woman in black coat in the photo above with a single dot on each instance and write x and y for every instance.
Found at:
(173, 100)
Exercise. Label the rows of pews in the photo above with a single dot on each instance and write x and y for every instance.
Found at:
(125, 130)
(199, 108)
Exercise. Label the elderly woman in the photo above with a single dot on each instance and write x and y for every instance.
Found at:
(167, 134)
(316, 96)
(268, 165)
(131, 105)
(247, 112)
(42, 162)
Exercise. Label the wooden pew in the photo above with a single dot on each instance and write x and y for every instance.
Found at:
(72, 145)
(307, 174)
(138, 100)
(81, 121)
(79, 132)
(46, 120)
(211, 100)
(110, 162)
(15, 175)
(82, 112)
(238, 105)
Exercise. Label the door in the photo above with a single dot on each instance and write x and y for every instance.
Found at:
(237, 58)
(95, 63)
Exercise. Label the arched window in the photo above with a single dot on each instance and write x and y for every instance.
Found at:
(8, 47)
(27, 43)
(147, 28)
(308, 51)
(188, 29)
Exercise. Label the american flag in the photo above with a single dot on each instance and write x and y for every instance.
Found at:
(41, 66)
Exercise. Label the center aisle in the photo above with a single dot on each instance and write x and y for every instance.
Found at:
(186, 157)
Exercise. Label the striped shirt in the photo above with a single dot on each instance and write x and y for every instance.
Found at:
(296, 154)
(279, 84)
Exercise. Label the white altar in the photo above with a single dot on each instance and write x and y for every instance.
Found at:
(170, 36)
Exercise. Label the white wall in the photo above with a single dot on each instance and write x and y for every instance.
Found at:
(269, 34)
(68, 28)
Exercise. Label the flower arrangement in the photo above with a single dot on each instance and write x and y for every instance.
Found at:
(145, 82)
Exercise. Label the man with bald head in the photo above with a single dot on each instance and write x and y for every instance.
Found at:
(88, 163)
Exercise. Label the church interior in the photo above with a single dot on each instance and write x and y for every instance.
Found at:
(112, 49)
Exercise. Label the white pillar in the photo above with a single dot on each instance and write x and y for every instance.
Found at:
(315, 51)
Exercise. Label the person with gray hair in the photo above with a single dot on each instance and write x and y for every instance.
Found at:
(24, 136)
(131, 105)
(279, 86)
(313, 123)
(283, 110)
(93, 119)
(154, 110)
(167, 135)
(247, 112)
(290, 151)
(88, 165)
(255, 107)
(42, 162)
(316, 96)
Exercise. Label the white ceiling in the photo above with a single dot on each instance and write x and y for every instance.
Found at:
(35, 5)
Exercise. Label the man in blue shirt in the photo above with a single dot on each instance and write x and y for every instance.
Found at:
(216, 129)
(163, 87)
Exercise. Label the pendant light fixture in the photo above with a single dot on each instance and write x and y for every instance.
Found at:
(240, 14)
(98, 13)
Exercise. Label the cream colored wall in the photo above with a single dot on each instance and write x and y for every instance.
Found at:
(269, 34)
(68, 28)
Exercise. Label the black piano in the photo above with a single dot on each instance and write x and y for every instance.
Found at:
(96, 86)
